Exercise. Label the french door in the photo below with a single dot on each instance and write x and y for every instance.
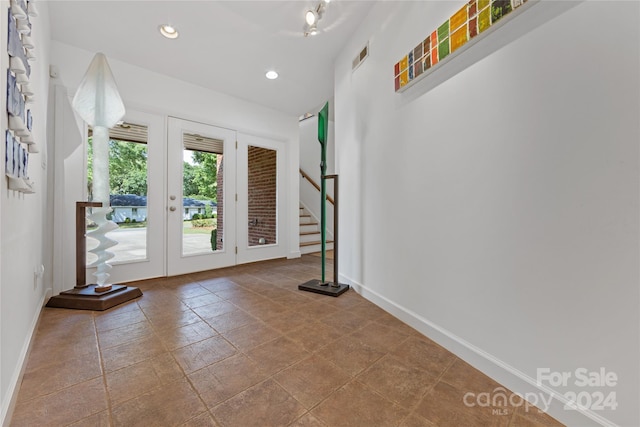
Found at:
(202, 198)
(200, 237)
(225, 197)
(137, 166)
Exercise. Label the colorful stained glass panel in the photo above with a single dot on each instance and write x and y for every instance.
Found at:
(459, 18)
(417, 52)
(404, 78)
(459, 38)
(473, 27)
(443, 49)
(473, 8)
(484, 20)
(404, 63)
(443, 31)
(474, 17)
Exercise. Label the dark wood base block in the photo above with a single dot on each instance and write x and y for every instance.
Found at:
(327, 288)
(88, 299)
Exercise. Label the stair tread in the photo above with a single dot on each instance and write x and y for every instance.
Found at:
(307, 233)
(313, 243)
(308, 223)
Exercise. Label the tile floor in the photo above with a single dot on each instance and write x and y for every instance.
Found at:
(243, 347)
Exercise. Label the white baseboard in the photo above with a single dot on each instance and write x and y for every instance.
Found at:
(48, 293)
(503, 373)
(294, 254)
(9, 402)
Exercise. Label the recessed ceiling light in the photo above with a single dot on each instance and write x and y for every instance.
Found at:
(271, 75)
(311, 17)
(168, 31)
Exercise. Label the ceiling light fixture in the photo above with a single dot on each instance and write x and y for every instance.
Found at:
(168, 31)
(271, 75)
(312, 17)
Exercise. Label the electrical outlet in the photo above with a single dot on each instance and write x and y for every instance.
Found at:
(38, 273)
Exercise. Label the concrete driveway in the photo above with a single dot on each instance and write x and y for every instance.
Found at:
(132, 245)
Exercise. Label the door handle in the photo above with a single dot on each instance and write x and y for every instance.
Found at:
(172, 208)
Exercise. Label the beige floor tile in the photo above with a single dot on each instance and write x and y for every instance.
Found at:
(307, 420)
(87, 398)
(416, 421)
(444, 405)
(132, 381)
(424, 354)
(315, 335)
(171, 320)
(125, 334)
(265, 404)
(379, 337)
(215, 309)
(251, 335)
(198, 355)
(101, 419)
(185, 335)
(464, 376)
(398, 381)
(223, 380)
(288, 320)
(312, 380)
(49, 378)
(201, 300)
(124, 355)
(277, 354)
(229, 321)
(356, 405)
(203, 420)
(119, 319)
(172, 404)
(351, 355)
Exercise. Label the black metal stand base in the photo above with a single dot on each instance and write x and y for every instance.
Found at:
(88, 299)
(327, 288)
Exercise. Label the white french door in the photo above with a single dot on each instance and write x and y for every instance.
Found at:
(194, 246)
(139, 145)
(211, 197)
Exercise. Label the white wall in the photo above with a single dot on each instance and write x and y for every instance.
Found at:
(23, 218)
(498, 211)
(147, 91)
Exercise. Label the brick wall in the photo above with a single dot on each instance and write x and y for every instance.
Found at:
(262, 195)
(220, 196)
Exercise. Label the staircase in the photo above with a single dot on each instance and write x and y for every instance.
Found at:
(310, 234)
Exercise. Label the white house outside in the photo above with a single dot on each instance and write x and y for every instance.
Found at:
(135, 208)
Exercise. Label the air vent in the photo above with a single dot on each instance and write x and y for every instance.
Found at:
(359, 59)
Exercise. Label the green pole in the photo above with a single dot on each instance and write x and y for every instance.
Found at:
(323, 126)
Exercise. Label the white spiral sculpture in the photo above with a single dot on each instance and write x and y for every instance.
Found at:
(99, 104)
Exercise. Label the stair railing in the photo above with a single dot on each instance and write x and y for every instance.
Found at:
(317, 187)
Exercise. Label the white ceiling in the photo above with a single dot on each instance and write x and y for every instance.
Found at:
(226, 46)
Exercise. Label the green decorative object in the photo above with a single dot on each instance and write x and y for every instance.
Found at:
(323, 128)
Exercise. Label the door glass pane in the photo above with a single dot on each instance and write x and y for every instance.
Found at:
(128, 195)
(202, 189)
(262, 196)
